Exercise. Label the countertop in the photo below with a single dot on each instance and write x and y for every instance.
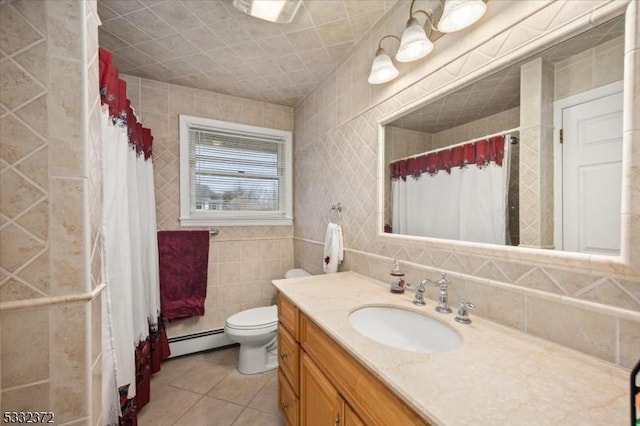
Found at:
(498, 376)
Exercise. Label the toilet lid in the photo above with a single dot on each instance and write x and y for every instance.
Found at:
(254, 318)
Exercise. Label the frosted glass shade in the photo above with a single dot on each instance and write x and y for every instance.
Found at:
(382, 68)
(414, 43)
(459, 14)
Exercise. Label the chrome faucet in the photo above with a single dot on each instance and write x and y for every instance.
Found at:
(443, 284)
(463, 315)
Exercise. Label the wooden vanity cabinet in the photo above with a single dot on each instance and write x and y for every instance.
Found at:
(288, 361)
(328, 385)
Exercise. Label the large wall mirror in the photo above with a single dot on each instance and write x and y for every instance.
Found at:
(487, 162)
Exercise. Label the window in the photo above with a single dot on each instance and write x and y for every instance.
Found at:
(233, 174)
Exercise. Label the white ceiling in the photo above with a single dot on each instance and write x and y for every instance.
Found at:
(208, 44)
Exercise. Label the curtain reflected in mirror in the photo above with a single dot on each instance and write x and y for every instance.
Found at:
(469, 182)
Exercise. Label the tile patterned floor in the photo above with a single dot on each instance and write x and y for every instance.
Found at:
(206, 389)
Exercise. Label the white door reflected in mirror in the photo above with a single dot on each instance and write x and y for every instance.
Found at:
(592, 175)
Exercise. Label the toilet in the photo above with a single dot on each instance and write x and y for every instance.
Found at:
(256, 331)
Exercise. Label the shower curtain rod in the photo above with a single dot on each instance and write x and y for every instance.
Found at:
(504, 132)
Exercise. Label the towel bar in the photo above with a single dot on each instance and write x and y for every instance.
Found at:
(214, 232)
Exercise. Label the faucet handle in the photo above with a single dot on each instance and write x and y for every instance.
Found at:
(463, 307)
(419, 297)
(466, 304)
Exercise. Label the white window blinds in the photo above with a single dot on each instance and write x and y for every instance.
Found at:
(233, 173)
(236, 171)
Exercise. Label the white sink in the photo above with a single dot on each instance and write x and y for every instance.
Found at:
(404, 329)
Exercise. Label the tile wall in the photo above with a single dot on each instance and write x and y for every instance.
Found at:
(242, 260)
(588, 303)
(536, 154)
(589, 69)
(50, 209)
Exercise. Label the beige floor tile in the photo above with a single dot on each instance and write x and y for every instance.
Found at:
(239, 388)
(211, 412)
(251, 417)
(232, 399)
(266, 400)
(173, 368)
(167, 404)
(227, 356)
(202, 377)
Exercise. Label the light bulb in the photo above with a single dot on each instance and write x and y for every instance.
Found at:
(459, 14)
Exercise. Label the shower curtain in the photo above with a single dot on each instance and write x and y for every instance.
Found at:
(456, 193)
(134, 341)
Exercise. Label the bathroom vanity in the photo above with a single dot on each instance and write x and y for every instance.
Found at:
(331, 374)
(320, 383)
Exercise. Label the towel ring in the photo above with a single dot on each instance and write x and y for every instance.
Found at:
(335, 213)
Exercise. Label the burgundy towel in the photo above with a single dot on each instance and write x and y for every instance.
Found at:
(183, 258)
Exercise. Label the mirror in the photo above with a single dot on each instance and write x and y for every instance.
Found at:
(536, 196)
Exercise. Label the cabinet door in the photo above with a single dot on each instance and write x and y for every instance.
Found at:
(351, 418)
(320, 403)
(288, 357)
(287, 401)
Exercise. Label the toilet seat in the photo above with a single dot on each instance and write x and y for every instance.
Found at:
(261, 318)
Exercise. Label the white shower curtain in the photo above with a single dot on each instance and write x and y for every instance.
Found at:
(133, 337)
(117, 322)
(469, 203)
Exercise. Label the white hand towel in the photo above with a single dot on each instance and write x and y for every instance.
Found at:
(333, 249)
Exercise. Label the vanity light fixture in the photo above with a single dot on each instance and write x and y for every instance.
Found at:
(382, 68)
(415, 44)
(279, 11)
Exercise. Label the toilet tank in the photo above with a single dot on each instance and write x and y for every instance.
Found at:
(296, 273)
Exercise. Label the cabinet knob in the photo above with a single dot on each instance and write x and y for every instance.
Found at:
(337, 420)
(284, 405)
(283, 355)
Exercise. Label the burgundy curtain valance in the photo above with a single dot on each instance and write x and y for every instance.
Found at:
(113, 92)
(480, 153)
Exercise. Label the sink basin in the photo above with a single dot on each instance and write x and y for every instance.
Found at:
(404, 329)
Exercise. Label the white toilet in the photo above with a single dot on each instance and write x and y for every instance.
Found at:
(256, 331)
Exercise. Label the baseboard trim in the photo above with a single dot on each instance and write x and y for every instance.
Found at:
(198, 342)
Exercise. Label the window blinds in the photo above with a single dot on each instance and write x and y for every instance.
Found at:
(236, 171)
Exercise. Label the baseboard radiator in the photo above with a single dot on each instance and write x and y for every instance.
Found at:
(198, 342)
